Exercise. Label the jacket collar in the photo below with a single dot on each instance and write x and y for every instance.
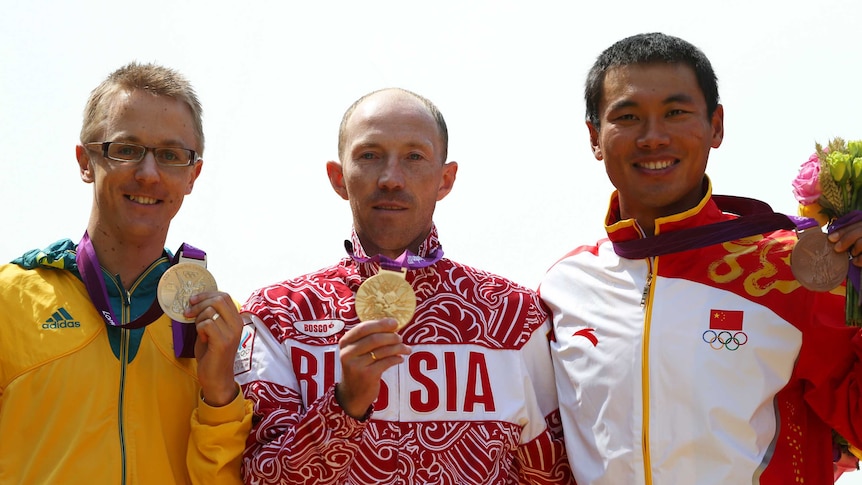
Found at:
(430, 243)
(705, 212)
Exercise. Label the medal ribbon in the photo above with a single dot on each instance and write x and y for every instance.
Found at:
(91, 275)
(407, 260)
(756, 217)
(853, 273)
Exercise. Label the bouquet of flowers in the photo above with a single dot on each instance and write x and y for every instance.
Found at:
(845, 457)
(829, 187)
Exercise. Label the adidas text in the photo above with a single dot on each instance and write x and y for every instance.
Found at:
(61, 325)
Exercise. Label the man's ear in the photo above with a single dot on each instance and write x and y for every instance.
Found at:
(717, 122)
(196, 171)
(594, 141)
(335, 172)
(84, 168)
(450, 170)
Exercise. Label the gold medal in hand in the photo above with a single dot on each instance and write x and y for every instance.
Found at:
(178, 284)
(386, 294)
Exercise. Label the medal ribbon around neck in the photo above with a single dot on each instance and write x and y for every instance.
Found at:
(756, 217)
(91, 275)
(388, 294)
(406, 261)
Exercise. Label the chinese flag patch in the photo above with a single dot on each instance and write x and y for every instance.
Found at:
(725, 320)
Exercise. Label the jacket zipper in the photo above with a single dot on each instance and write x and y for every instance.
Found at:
(647, 286)
(646, 304)
(124, 353)
(125, 317)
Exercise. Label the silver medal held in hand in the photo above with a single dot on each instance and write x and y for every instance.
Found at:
(178, 284)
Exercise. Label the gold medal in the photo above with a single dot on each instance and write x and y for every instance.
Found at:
(386, 294)
(815, 264)
(178, 284)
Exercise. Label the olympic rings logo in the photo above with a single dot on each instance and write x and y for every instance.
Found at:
(726, 339)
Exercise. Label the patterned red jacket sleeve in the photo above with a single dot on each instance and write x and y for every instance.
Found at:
(289, 443)
(542, 459)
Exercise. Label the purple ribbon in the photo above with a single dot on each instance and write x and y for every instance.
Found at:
(756, 217)
(853, 273)
(91, 274)
(407, 260)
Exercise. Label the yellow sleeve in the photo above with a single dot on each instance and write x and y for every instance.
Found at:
(217, 441)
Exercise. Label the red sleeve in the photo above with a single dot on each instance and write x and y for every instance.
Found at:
(829, 365)
(543, 460)
(290, 445)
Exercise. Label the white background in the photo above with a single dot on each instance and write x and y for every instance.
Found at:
(275, 78)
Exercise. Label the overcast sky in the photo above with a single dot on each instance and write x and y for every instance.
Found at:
(276, 77)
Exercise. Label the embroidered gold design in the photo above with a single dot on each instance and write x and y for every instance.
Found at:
(760, 279)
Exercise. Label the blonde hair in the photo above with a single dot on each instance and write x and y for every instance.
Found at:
(152, 78)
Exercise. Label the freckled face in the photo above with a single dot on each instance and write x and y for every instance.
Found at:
(137, 201)
(655, 137)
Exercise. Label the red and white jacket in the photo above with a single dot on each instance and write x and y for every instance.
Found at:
(474, 403)
(706, 366)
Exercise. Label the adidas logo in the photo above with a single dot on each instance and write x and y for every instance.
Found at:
(61, 319)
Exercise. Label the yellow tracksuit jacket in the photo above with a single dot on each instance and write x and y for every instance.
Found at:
(82, 402)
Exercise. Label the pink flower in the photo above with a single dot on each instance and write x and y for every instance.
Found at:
(806, 185)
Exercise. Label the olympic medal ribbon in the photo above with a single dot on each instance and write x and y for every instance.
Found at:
(755, 217)
(388, 294)
(853, 272)
(91, 274)
(185, 335)
(406, 261)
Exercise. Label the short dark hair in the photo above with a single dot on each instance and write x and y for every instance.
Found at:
(432, 109)
(649, 48)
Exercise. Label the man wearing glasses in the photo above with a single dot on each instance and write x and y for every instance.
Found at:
(97, 384)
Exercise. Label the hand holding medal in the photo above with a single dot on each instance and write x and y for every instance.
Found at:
(178, 284)
(815, 264)
(388, 294)
(829, 190)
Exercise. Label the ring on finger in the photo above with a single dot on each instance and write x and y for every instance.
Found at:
(373, 357)
(215, 317)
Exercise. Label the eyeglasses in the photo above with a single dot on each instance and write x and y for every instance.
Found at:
(130, 152)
